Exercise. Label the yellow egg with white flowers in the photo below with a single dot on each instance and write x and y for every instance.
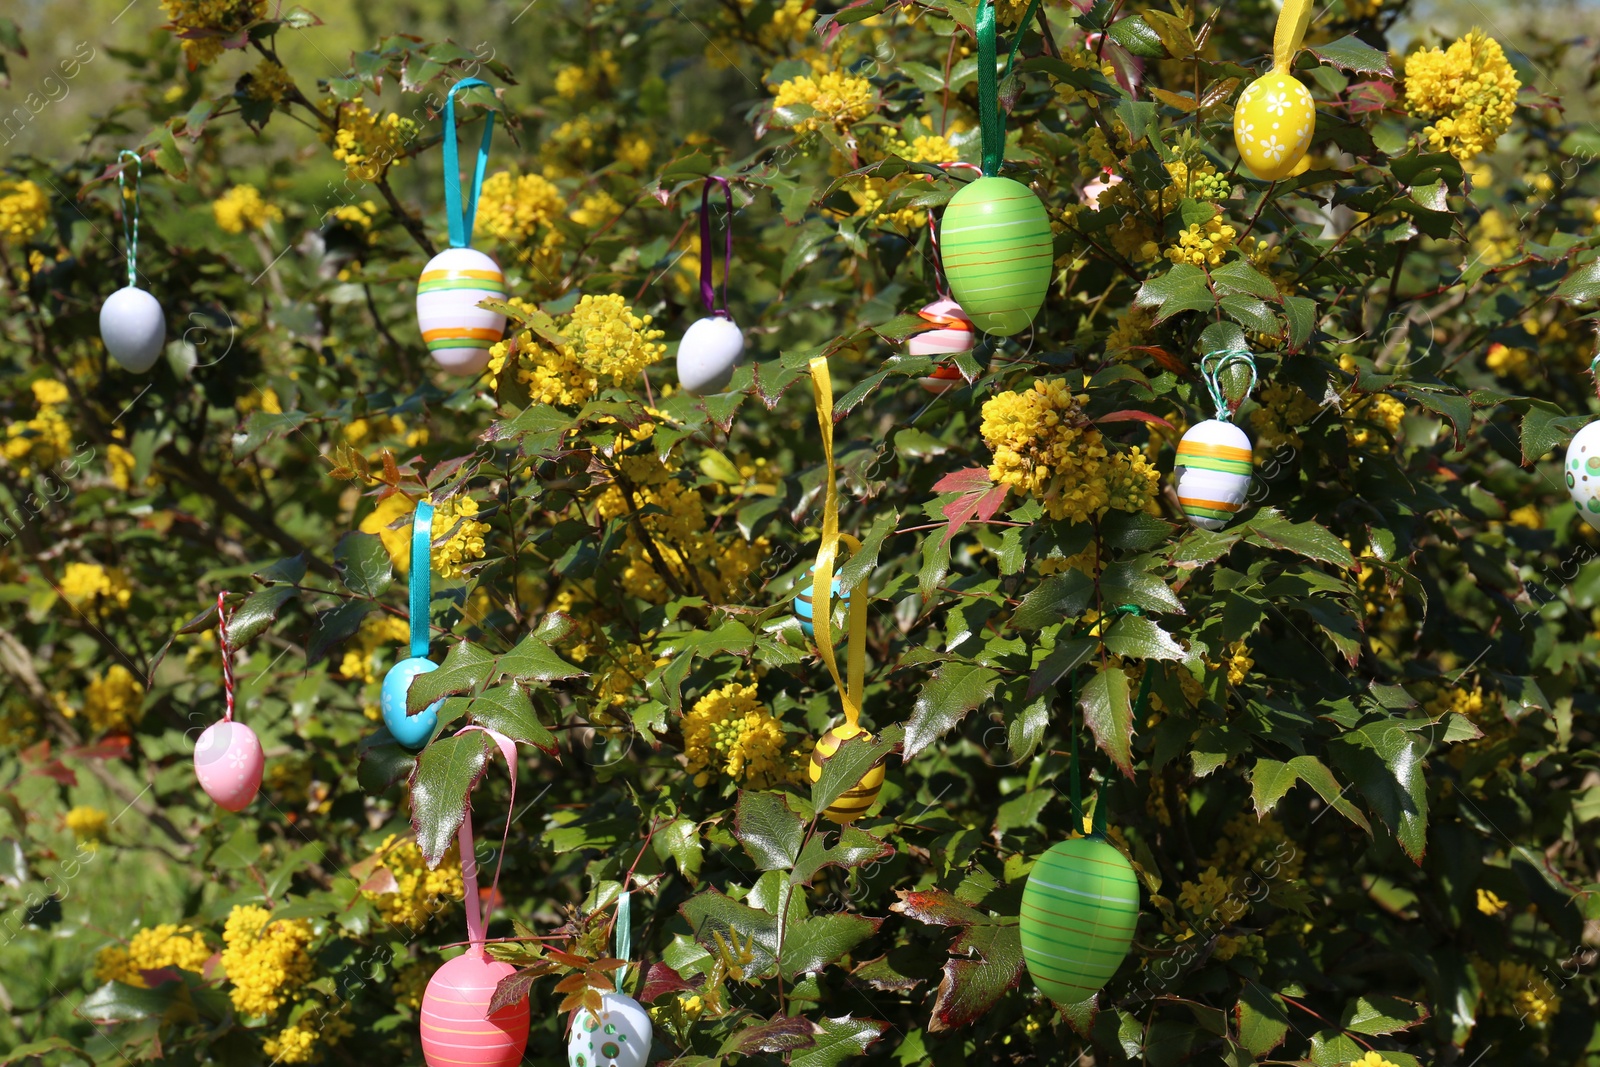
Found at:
(1272, 125)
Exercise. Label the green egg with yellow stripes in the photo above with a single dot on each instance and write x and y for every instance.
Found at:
(1079, 909)
(853, 802)
(995, 245)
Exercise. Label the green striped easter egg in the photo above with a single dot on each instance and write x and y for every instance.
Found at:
(1079, 908)
(995, 245)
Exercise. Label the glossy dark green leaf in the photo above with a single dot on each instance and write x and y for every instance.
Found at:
(509, 710)
(769, 830)
(839, 1040)
(1352, 53)
(258, 612)
(1056, 598)
(953, 691)
(464, 670)
(440, 785)
(819, 940)
(363, 564)
(1108, 712)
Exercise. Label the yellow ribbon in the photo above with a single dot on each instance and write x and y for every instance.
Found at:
(1292, 24)
(827, 556)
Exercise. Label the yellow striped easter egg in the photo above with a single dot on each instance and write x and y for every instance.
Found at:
(853, 802)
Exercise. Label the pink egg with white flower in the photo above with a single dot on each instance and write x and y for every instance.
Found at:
(228, 761)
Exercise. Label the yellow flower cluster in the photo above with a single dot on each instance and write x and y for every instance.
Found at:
(606, 344)
(1046, 447)
(113, 701)
(573, 81)
(512, 208)
(1489, 903)
(1282, 408)
(122, 463)
(242, 208)
(873, 191)
(266, 961)
(44, 440)
(1238, 661)
(366, 143)
(465, 543)
(730, 732)
(1528, 516)
(419, 894)
(1212, 896)
(1467, 701)
(268, 81)
(294, 1044)
(1256, 844)
(1508, 362)
(1517, 989)
(834, 98)
(1203, 244)
(87, 823)
(1131, 329)
(628, 667)
(1373, 1058)
(1368, 416)
(151, 949)
(597, 209)
(354, 216)
(24, 211)
(91, 586)
(379, 632)
(210, 22)
(1468, 90)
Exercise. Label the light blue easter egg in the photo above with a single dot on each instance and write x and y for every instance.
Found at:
(412, 731)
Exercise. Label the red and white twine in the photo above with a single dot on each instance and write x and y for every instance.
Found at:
(223, 615)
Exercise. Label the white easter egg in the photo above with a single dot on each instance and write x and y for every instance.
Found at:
(949, 331)
(228, 761)
(708, 353)
(1213, 466)
(457, 332)
(1583, 473)
(1272, 125)
(133, 328)
(620, 1037)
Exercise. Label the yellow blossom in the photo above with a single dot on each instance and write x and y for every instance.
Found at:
(266, 960)
(268, 82)
(1508, 362)
(836, 98)
(1212, 895)
(1469, 91)
(367, 144)
(597, 209)
(122, 464)
(205, 24)
(397, 541)
(113, 701)
(464, 542)
(634, 151)
(44, 440)
(24, 211)
(731, 732)
(1517, 989)
(1373, 1058)
(380, 632)
(151, 949)
(512, 207)
(1131, 329)
(1366, 417)
(606, 344)
(1046, 447)
(242, 208)
(89, 586)
(1489, 903)
(1203, 244)
(1529, 516)
(418, 894)
(87, 823)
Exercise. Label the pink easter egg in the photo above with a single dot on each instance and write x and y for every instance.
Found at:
(457, 1029)
(228, 762)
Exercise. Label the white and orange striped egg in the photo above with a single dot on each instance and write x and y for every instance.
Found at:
(949, 332)
(1214, 465)
(456, 330)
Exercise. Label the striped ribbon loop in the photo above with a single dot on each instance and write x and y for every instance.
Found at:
(850, 688)
(130, 219)
(708, 292)
(460, 221)
(421, 576)
(1212, 365)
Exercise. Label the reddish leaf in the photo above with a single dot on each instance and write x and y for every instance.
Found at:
(967, 480)
(511, 989)
(661, 980)
(1137, 416)
(1166, 359)
(776, 1035)
(1365, 97)
(382, 881)
(935, 907)
(115, 746)
(986, 962)
(979, 505)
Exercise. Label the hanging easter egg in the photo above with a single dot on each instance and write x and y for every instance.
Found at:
(412, 731)
(949, 332)
(1272, 125)
(995, 245)
(1079, 908)
(1213, 466)
(708, 353)
(619, 1037)
(853, 802)
(134, 328)
(457, 1028)
(1583, 473)
(803, 609)
(457, 331)
(228, 761)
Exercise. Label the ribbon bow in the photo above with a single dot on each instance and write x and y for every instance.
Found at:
(461, 221)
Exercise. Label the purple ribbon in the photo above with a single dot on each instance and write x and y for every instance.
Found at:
(708, 292)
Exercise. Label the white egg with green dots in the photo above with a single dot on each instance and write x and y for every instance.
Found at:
(619, 1037)
(1583, 473)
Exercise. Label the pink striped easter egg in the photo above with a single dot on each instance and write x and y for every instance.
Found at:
(457, 1029)
(228, 761)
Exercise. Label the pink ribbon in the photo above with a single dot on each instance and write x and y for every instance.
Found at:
(478, 917)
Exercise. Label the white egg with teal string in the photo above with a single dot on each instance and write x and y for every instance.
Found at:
(620, 1035)
(132, 325)
(1215, 461)
(458, 332)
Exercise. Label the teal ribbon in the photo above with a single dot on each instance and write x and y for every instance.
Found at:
(130, 220)
(461, 221)
(421, 576)
(1213, 363)
(624, 937)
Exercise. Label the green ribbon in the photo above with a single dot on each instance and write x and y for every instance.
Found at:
(991, 122)
(624, 937)
(130, 220)
(1098, 828)
(1213, 363)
